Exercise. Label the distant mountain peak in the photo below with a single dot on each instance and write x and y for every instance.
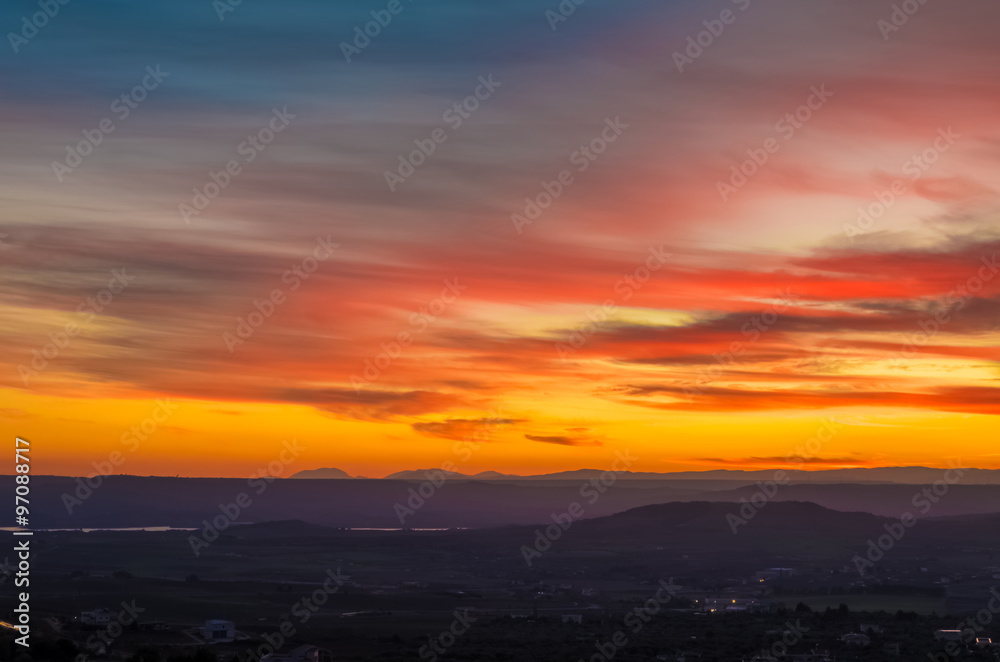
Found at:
(908, 475)
(328, 472)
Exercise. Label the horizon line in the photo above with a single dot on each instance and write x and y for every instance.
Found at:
(505, 476)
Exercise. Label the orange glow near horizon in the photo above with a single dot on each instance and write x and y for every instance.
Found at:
(244, 439)
(646, 308)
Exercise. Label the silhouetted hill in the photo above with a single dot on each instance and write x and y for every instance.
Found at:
(702, 534)
(707, 525)
(889, 500)
(125, 501)
(705, 516)
(122, 501)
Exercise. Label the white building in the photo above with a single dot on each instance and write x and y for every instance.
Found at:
(216, 630)
(95, 617)
(856, 639)
(948, 635)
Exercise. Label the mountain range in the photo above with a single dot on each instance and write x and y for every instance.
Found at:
(134, 501)
(898, 475)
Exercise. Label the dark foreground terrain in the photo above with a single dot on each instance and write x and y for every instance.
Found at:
(670, 581)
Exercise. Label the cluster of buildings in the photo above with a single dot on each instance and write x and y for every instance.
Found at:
(95, 618)
(730, 605)
(214, 631)
(958, 635)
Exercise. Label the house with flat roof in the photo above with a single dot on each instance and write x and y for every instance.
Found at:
(219, 630)
(948, 635)
(856, 639)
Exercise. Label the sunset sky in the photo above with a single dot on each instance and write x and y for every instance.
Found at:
(890, 327)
